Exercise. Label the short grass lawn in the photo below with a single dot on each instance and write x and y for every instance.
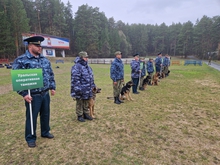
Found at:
(177, 122)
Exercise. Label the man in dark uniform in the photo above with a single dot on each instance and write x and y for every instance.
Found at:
(135, 72)
(158, 62)
(39, 98)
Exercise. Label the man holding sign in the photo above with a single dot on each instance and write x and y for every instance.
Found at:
(37, 100)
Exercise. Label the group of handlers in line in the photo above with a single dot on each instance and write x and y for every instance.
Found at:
(37, 101)
(139, 67)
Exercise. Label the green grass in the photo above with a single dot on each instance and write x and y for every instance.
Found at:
(177, 122)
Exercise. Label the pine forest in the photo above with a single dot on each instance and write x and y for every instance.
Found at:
(90, 30)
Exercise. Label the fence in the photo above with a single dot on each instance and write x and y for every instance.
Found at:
(194, 62)
(175, 62)
(107, 61)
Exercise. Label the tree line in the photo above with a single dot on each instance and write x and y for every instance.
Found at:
(90, 30)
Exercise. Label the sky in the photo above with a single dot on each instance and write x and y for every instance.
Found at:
(152, 11)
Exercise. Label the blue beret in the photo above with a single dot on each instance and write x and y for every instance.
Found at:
(159, 53)
(36, 40)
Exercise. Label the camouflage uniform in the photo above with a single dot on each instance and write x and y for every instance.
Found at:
(158, 62)
(143, 73)
(41, 97)
(135, 74)
(82, 82)
(166, 63)
(150, 69)
(117, 75)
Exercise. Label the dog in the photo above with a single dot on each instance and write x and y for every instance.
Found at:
(146, 81)
(155, 78)
(125, 91)
(162, 75)
(92, 102)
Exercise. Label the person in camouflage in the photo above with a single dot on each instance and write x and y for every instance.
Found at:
(117, 76)
(158, 62)
(143, 72)
(39, 98)
(150, 69)
(166, 64)
(82, 83)
(135, 72)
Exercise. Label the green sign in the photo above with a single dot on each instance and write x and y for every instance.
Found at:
(25, 79)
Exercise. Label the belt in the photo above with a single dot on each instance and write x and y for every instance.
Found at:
(40, 93)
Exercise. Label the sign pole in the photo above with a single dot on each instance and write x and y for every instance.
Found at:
(31, 118)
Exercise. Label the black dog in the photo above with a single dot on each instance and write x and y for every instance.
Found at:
(125, 91)
(146, 81)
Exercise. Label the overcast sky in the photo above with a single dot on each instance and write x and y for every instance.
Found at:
(152, 11)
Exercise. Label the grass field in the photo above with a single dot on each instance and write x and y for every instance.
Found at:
(177, 122)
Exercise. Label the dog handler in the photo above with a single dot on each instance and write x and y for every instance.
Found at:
(166, 64)
(143, 72)
(135, 72)
(158, 62)
(40, 98)
(150, 69)
(117, 76)
(82, 83)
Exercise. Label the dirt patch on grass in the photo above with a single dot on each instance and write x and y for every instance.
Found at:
(209, 83)
(5, 89)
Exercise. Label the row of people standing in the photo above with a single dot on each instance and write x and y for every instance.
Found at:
(161, 65)
(82, 82)
(139, 67)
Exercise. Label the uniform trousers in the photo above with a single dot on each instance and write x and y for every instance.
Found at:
(40, 105)
(117, 88)
(151, 75)
(165, 70)
(82, 107)
(135, 82)
(141, 81)
(158, 68)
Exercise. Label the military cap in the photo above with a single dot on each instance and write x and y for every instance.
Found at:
(36, 40)
(83, 54)
(118, 52)
(136, 55)
(159, 53)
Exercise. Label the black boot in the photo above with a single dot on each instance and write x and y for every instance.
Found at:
(81, 119)
(116, 101)
(141, 88)
(120, 100)
(86, 116)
